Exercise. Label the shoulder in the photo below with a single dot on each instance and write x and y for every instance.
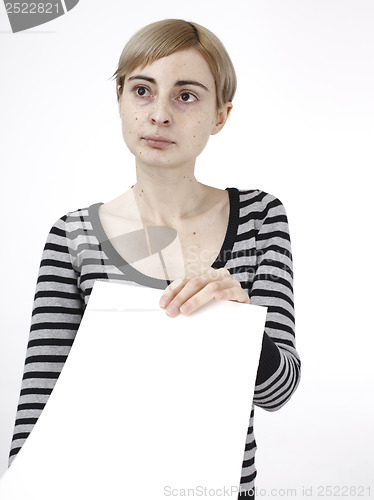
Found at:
(74, 220)
(259, 204)
(258, 197)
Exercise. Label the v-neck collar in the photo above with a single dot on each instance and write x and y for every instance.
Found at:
(133, 274)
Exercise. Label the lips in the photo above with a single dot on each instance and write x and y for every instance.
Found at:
(157, 141)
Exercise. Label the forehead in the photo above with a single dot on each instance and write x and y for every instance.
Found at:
(187, 64)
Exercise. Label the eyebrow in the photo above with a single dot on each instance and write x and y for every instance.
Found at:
(179, 83)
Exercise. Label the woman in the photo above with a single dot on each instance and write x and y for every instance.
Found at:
(175, 86)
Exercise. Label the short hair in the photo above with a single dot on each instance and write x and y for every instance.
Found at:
(162, 38)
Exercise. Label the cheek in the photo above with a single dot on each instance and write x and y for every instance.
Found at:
(198, 135)
(128, 133)
(131, 122)
(202, 130)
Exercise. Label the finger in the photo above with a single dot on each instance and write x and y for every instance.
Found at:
(203, 296)
(235, 294)
(184, 292)
(228, 289)
(219, 290)
(171, 291)
(199, 282)
(236, 291)
(216, 274)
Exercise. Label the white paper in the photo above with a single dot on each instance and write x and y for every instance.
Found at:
(146, 405)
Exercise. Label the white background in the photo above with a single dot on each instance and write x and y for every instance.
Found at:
(301, 128)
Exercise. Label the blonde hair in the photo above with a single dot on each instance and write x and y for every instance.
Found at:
(162, 38)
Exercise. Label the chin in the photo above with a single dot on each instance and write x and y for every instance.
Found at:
(153, 163)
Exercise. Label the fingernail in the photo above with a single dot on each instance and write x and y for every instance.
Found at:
(172, 310)
(164, 301)
(185, 308)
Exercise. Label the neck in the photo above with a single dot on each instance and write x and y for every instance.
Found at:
(168, 195)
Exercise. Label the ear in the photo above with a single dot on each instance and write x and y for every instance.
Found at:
(119, 99)
(221, 118)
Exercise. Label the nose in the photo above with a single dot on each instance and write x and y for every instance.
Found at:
(161, 113)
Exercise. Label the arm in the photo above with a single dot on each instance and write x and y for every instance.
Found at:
(268, 282)
(279, 368)
(57, 312)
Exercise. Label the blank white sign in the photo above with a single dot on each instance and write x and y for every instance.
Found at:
(146, 406)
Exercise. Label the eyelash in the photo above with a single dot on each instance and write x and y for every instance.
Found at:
(184, 92)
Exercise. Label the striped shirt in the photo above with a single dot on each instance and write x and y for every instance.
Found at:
(257, 252)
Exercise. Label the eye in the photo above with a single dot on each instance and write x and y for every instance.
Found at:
(142, 91)
(187, 97)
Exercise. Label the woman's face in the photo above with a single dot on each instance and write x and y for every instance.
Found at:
(168, 110)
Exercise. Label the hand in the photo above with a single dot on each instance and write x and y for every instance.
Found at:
(186, 295)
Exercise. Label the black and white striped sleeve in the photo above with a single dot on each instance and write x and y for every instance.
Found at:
(279, 367)
(56, 315)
